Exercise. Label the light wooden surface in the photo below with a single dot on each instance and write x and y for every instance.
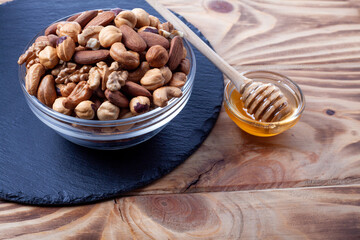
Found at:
(302, 184)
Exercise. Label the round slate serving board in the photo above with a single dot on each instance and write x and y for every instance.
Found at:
(37, 166)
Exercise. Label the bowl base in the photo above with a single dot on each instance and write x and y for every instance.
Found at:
(111, 144)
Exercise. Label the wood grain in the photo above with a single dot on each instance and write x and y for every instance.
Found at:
(236, 185)
(4, 1)
(315, 44)
(313, 213)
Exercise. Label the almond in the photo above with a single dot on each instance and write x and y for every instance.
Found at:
(46, 92)
(117, 98)
(102, 19)
(91, 57)
(132, 39)
(85, 17)
(52, 39)
(153, 39)
(176, 53)
(133, 89)
(73, 17)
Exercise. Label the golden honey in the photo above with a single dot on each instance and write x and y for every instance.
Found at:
(235, 109)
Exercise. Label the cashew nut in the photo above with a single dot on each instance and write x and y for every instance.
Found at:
(129, 60)
(94, 78)
(162, 95)
(178, 80)
(136, 75)
(167, 73)
(59, 107)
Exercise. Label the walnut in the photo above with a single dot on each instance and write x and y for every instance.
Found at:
(32, 52)
(93, 43)
(94, 78)
(67, 72)
(32, 61)
(62, 71)
(116, 80)
(105, 71)
(89, 32)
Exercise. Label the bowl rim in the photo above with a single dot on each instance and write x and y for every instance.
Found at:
(299, 110)
(134, 119)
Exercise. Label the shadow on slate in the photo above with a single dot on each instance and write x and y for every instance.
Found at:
(39, 167)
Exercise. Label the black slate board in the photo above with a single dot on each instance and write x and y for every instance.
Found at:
(37, 166)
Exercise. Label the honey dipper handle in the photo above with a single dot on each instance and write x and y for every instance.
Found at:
(236, 78)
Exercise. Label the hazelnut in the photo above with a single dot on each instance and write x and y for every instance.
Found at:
(48, 57)
(108, 111)
(109, 35)
(127, 18)
(152, 79)
(85, 110)
(89, 32)
(65, 48)
(59, 107)
(71, 29)
(157, 56)
(139, 105)
(142, 17)
(154, 21)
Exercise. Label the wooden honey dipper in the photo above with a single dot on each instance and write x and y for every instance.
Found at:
(264, 100)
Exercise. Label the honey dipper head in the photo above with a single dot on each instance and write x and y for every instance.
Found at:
(265, 101)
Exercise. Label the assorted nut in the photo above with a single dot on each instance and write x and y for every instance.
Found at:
(97, 64)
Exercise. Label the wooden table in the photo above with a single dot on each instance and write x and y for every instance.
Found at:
(302, 184)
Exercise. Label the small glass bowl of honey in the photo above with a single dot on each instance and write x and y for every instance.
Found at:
(235, 108)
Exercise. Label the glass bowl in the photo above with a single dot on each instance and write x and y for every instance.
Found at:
(116, 134)
(265, 129)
